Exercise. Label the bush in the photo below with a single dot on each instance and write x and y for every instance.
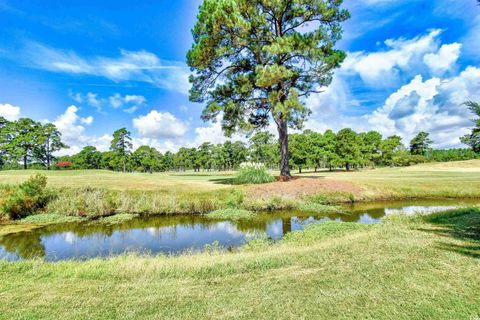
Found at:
(29, 197)
(253, 173)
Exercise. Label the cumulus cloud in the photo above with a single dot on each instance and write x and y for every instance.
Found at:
(444, 60)
(141, 66)
(9, 112)
(72, 127)
(156, 125)
(377, 68)
(434, 105)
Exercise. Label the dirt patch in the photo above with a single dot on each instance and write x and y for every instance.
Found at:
(302, 187)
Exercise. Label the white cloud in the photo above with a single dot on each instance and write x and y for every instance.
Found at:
(117, 100)
(131, 102)
(213, 133)
(444, 60)
(158, 124)
(141, 66)
(135, 99)
(434, 105)
(9, 112)
(72, 127)
(379, 68)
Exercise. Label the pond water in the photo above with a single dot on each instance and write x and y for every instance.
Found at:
(170, 235)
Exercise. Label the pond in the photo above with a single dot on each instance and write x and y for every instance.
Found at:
(170, 235)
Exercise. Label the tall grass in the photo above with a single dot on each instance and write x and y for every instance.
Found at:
(253, 173)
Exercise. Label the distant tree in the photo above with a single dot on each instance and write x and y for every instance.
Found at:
(253, 61)
(259, 147)
(239, 153)
(24, 138)
(50, 140)
(108, 161)
(88, 158)
(420, 144)
(330, 147)
(205, 155)
(146, 159)
(121, 145)
(348, 147)
(389, 147)
(4, 138)
(371, 146)
(473, 139)
(315, 149)
(167, 161)
(298, 151)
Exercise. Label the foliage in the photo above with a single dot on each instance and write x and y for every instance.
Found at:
(253, 173)
(27, 198)
(252, 61)
(473, 139)
(28, 141)
(453, 155)
(420, 144)
(121, 145)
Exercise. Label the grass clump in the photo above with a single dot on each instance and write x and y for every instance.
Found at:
(319, 208)
(231, 214)
(253, 173)
(47, 218)
(24, 199)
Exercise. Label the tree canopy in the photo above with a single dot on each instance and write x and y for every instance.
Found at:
(420, 144)
(254, 61)
(473, 139)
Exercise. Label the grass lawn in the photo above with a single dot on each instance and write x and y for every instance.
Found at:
(451, 176)
(92, 194)
(406, 268)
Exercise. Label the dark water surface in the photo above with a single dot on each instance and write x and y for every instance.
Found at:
(169, 235)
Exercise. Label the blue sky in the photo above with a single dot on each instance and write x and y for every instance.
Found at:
(94, 66)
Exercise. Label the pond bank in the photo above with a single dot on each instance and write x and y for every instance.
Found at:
(330, 270)
(227, 229)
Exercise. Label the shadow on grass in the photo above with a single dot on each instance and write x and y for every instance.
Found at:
(460, 224)
(226, 181)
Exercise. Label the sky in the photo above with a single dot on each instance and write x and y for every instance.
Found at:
(92, 67)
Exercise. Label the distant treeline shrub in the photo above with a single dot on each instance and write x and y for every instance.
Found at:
(453, 155)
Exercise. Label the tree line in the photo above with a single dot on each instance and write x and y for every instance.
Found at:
(346, 149)
(27, 143)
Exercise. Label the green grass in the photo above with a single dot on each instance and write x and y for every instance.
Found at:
(231, 214)
(407, 268)
(93, 194)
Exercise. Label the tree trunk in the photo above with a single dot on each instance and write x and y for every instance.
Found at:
(48, 162)
(299, 169)
(25, 162)
(124, 166)
(284, 155)
(347, 167)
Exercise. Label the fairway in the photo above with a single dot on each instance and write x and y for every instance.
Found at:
(461, 178)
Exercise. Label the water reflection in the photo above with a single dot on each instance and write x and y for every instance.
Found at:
(177, 234)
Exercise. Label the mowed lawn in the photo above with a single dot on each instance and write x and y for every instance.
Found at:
(401, 269)
(460, 178)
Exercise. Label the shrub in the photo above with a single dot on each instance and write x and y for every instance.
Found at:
(253, 173)
(20, 201)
